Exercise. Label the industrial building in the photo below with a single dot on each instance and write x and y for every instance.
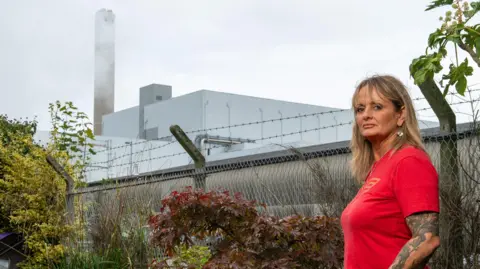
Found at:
(104, 78)
(137, 140)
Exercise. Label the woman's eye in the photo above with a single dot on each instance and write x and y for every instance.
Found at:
(377, 107)
(359, 109)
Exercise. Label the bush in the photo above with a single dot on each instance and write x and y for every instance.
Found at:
(32, 193)
(194, 257)
(247, 239)
(32, 199)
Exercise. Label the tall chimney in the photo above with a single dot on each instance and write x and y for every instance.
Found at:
(104, 81)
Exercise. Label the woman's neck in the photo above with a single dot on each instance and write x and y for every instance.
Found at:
(381, 147)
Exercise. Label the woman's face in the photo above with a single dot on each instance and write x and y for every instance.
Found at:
(376, 116)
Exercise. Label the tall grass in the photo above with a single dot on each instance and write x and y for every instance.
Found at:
(90, 260)
(114, 232)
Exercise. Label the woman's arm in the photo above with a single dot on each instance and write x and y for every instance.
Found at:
(425, 240)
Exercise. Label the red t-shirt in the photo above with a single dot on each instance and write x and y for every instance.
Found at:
(374, 222)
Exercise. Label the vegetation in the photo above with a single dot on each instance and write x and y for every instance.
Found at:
(458, 32)
(459, 36)
(246, 239)
(33, 194)
(71, 136)
(193, 257)
(117, 221)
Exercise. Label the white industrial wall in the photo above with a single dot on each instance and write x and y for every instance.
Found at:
(185, 110)
(132, 156)
(245, 109)
(210, 109)
(123, 123)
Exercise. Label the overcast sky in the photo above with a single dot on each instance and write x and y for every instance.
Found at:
(307, 51)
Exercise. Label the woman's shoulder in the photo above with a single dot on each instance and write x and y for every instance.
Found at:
(411, 154)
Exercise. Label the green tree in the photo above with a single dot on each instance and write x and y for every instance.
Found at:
(456, 32)
(457, 36)
(72, 136)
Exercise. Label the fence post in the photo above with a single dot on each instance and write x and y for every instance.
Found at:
(69, 182)
(451, 223)
(195, 154)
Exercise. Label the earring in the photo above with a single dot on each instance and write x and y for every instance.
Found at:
(400, 133)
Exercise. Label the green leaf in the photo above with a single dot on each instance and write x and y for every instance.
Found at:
(458, 77)
(475, 6)
(461, 85)
(472, 31)
(425, 67)
(454, 38)
(436, 39)
(438, 3)
(89, 133)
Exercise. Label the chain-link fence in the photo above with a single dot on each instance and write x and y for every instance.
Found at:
(289, 179)
(310, 181)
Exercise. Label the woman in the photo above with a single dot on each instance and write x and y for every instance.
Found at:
(393, 220)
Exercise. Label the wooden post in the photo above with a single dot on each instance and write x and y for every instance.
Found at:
(69, 182)
(451, 223)
(195, 154)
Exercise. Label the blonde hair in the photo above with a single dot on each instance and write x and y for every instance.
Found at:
(392, 89)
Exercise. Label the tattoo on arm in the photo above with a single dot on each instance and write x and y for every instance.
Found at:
(417, 251)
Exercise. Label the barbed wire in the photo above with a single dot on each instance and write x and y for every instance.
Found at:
(451, 104)
(181, 153)
(261, 122)
(449, 94)
(96, 165)
(235, 126)
(141, 161)
(140, 156)
(128, 154)
(159, 176)
(238, 125)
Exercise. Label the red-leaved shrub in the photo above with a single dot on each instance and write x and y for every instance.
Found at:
(249, 239)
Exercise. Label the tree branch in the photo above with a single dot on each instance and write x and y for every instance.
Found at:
(470, 51)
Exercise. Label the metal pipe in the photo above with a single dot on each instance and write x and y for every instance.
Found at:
(203, 149)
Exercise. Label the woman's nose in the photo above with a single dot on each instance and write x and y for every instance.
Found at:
(367, 113)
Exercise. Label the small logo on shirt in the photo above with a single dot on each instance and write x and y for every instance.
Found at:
(370, 183)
